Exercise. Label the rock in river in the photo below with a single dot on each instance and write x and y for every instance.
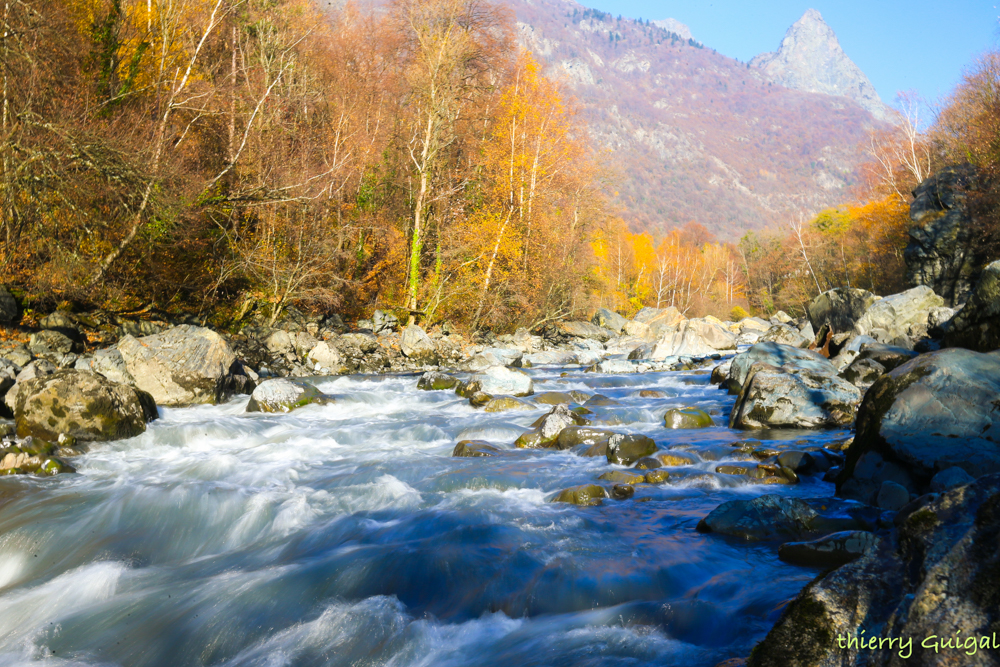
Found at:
(284, 395)
(500, 380)
(627, 449)
(763, 518)
(687, 418)
(585, 494)
(183, 365)
(83, 405)
(775, 398)
(830, 550)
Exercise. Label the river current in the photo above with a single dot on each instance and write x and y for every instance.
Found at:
(347, 534)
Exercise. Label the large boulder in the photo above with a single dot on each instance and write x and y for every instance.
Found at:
(184, 365)
(496, 356)
(934, 412)
(776, 354)
(547, 429)
(895, 314)
(660, 318)
(109, 363)
(501, 380)
(943, 253)
(764, 518)
(417, 345)
(839, 308)
(609, 319)
(326, 359)
(773, 397)
(977, 324)
(784, 334)
(284, 395)
(686, 341)
(932, 588)
(82, 405)
(584, 330)
(714, 334)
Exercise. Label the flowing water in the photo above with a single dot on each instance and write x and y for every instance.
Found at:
(346, 534)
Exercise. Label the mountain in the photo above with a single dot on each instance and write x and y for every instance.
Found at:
(810, 58)
(691, 134)
(674, 26)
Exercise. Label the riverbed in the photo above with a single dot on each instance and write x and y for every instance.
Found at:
(347, 534)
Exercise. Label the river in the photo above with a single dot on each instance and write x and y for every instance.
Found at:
(347, 534)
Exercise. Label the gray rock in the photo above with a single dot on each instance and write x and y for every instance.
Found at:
(508, 403)
(655, 318)
(781, 356)
(784, 334)
(500, 380)
(892, 496)
(839, 308)
(584, 330)
(686, 341)
(937, 318)
(37, 368)
(326, 359)
(279, 342)
(108, 363)
(9, 311)
(475, 448)
(18, 355)
(304, 343)
(895, 314)
(551, 358)
(609, 319)
(934, 412)
(780, 317)
(775, 398)
(943, 252)
(383, 321)
(830, 550)
(417, 345)
(764, 518)
(977, 324)
(890, 357)
(949, 479)
(495, 356)
(48, 343)
(183, 365)
(82, 405)
(284, 395)
(862, 373)
(713, 334)
(548, 427)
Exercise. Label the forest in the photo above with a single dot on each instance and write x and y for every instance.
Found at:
(234, 157)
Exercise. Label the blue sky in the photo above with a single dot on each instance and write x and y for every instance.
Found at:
(917, 45)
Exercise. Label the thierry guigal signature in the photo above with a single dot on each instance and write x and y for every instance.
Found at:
(969, 644)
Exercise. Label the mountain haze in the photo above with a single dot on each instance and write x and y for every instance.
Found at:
(696, 136)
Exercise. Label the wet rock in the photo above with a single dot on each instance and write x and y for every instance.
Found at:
(600, 401)
(609, 319)
(656, 476)
(557, 397)
(839, 308)
(435, 381)
(774, 398)
(977, 324)
(676, 458)
(623, 477)
(548, 427)
(571, 436)
(764, 518)
(894, 314)
(417, 345)
(622, 491)
(721, 372)
(651, 393)
(685, 418)
(83, 405)
(830, 550)
(585, 494)
(627, 449)
(935, 575)
(475, 448)
(479, 399)
(805, 463)
(507, 403)
(500, 380)
(934, 412)
(648, 463)
(786, 357)
(183, 365)
(284, 395)
(862, 373)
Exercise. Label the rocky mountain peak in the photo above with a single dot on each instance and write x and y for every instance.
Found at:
(674, 26)
(811, 59)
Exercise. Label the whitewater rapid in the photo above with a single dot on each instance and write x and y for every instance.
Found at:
(347, 534)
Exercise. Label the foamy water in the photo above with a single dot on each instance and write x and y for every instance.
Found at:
(347, 535)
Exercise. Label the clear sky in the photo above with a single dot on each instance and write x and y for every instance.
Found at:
(914, 45)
